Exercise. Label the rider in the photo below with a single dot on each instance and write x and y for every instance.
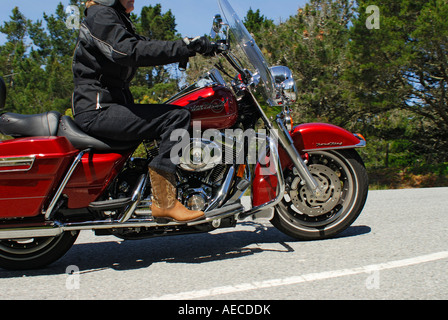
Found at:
(105, 61)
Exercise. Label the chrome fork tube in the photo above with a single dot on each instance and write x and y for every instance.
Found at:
(287, 143)
(282, 134)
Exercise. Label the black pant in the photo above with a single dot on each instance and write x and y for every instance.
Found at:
(138, 123)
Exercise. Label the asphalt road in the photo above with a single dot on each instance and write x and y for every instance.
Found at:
(397, 249)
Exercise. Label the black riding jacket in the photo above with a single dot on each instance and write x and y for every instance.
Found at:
(108, 54)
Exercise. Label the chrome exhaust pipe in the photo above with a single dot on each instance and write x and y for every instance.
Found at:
(46, 229)
(218, 201)
(37, 230)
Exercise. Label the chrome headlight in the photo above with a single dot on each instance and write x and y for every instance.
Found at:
(285, 84)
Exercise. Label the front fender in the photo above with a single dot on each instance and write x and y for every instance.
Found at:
(321, 136)
(307, 138)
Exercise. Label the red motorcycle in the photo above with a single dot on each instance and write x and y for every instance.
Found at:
(55, 180)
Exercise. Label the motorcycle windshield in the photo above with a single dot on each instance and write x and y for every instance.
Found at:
(253, 59)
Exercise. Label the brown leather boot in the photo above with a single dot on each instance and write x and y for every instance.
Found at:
(164, 201)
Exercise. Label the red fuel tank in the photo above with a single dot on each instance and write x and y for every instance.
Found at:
(214, 106)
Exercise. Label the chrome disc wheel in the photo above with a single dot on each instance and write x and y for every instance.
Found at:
(343, 180)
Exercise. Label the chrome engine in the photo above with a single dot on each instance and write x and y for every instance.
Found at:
(197, 189)
(201, 175)
(200, 155)
(201, 172)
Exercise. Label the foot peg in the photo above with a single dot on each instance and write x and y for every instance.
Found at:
(220, 213)
(210, 216)
(163, 220)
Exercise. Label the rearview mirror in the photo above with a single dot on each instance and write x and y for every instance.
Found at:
(285, 83)
(217, 23)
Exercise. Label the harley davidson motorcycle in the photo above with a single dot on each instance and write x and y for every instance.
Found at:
(56, 181)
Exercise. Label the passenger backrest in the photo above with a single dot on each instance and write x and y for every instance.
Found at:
(34, 125)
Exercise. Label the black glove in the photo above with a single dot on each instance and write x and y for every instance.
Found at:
(201, 45)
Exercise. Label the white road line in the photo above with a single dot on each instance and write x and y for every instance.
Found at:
(301, 279)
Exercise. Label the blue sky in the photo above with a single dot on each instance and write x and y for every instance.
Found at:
(193, 17)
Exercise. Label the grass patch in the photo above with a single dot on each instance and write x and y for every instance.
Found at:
(409, 178)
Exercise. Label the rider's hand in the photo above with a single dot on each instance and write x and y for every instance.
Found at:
(201, 45)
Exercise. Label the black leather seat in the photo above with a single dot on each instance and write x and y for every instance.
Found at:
(35, 125)
(50, 124)
(80, 140)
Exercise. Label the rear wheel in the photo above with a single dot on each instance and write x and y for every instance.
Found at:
(34, 253)
(343, 178)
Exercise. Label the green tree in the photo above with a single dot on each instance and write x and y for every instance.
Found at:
(402, 67)
(17, 68)
(36, 62)
(313, 43)
(155, 24)
(256, 22)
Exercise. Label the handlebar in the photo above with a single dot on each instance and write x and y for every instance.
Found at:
(183, 64)
(218, 48)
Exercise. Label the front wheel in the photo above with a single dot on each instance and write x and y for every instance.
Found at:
(34, 253)
(343, 178)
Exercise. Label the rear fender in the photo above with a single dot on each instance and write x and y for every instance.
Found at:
(307, 138)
